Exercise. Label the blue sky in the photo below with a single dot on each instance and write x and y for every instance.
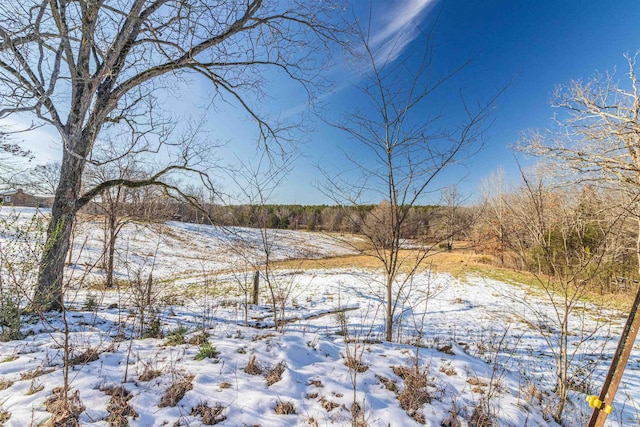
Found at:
(535, 45)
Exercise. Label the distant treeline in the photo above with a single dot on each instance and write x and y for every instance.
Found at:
(344, 219)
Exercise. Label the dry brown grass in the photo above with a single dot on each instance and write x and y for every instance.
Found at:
(480, 417)
(90, 355)
(328, 405)
(388, 384)
(29, 375)
(210, 415)
(5, 384)
(9, 358)
(118, 407)
(477, 381)
(34, 388)
(355, 364)
(448, 370)
(415, 392)
(4, 416)
(253, 368)
(275, 374)
(285, 408)
(149, 373)
(64, 412)
(263, 337)
(455, 261)
(316, 383)
(176, 391)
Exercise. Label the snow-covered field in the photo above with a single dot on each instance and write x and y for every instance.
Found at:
(482, 350)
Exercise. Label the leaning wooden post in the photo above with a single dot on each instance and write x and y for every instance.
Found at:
(603, 403)
(256, 287)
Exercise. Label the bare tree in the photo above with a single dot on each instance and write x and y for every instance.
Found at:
(111, 203)
(257, 184)
(409, 146)
(453, 200)
(564, 246)
(597, 138)
(90, 68)
(491, 231)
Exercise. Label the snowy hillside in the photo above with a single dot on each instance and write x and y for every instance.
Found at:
(215, 360)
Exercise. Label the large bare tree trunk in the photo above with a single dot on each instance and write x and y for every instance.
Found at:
(49, 290)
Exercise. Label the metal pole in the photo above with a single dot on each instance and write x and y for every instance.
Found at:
(618, 364)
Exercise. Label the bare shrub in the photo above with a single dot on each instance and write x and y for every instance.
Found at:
(357, 416)
(275, 374)
(179, 387)
(210, 416)
(144, 291)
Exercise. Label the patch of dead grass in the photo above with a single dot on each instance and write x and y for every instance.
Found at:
(328, 405)
(9, 358)
(275, 374)
(415, 392)
(210, 415)
(4, 417)
(118, 406)
(253, 368)
(285, 408)
(355, 364)
(149, 373)
(388, 384)
(64, 412)
(90, 355)
(176, 391)
(35, 373)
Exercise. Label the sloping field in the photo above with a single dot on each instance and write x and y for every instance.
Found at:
(485, 353)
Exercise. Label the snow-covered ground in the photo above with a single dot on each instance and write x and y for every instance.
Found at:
(482, 348)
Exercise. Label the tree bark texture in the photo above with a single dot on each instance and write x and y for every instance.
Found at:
(50, 286)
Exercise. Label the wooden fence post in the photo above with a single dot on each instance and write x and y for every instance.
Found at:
(256, 287)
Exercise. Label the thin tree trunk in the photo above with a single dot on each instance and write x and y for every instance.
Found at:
(389, 330)
(111, 250)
